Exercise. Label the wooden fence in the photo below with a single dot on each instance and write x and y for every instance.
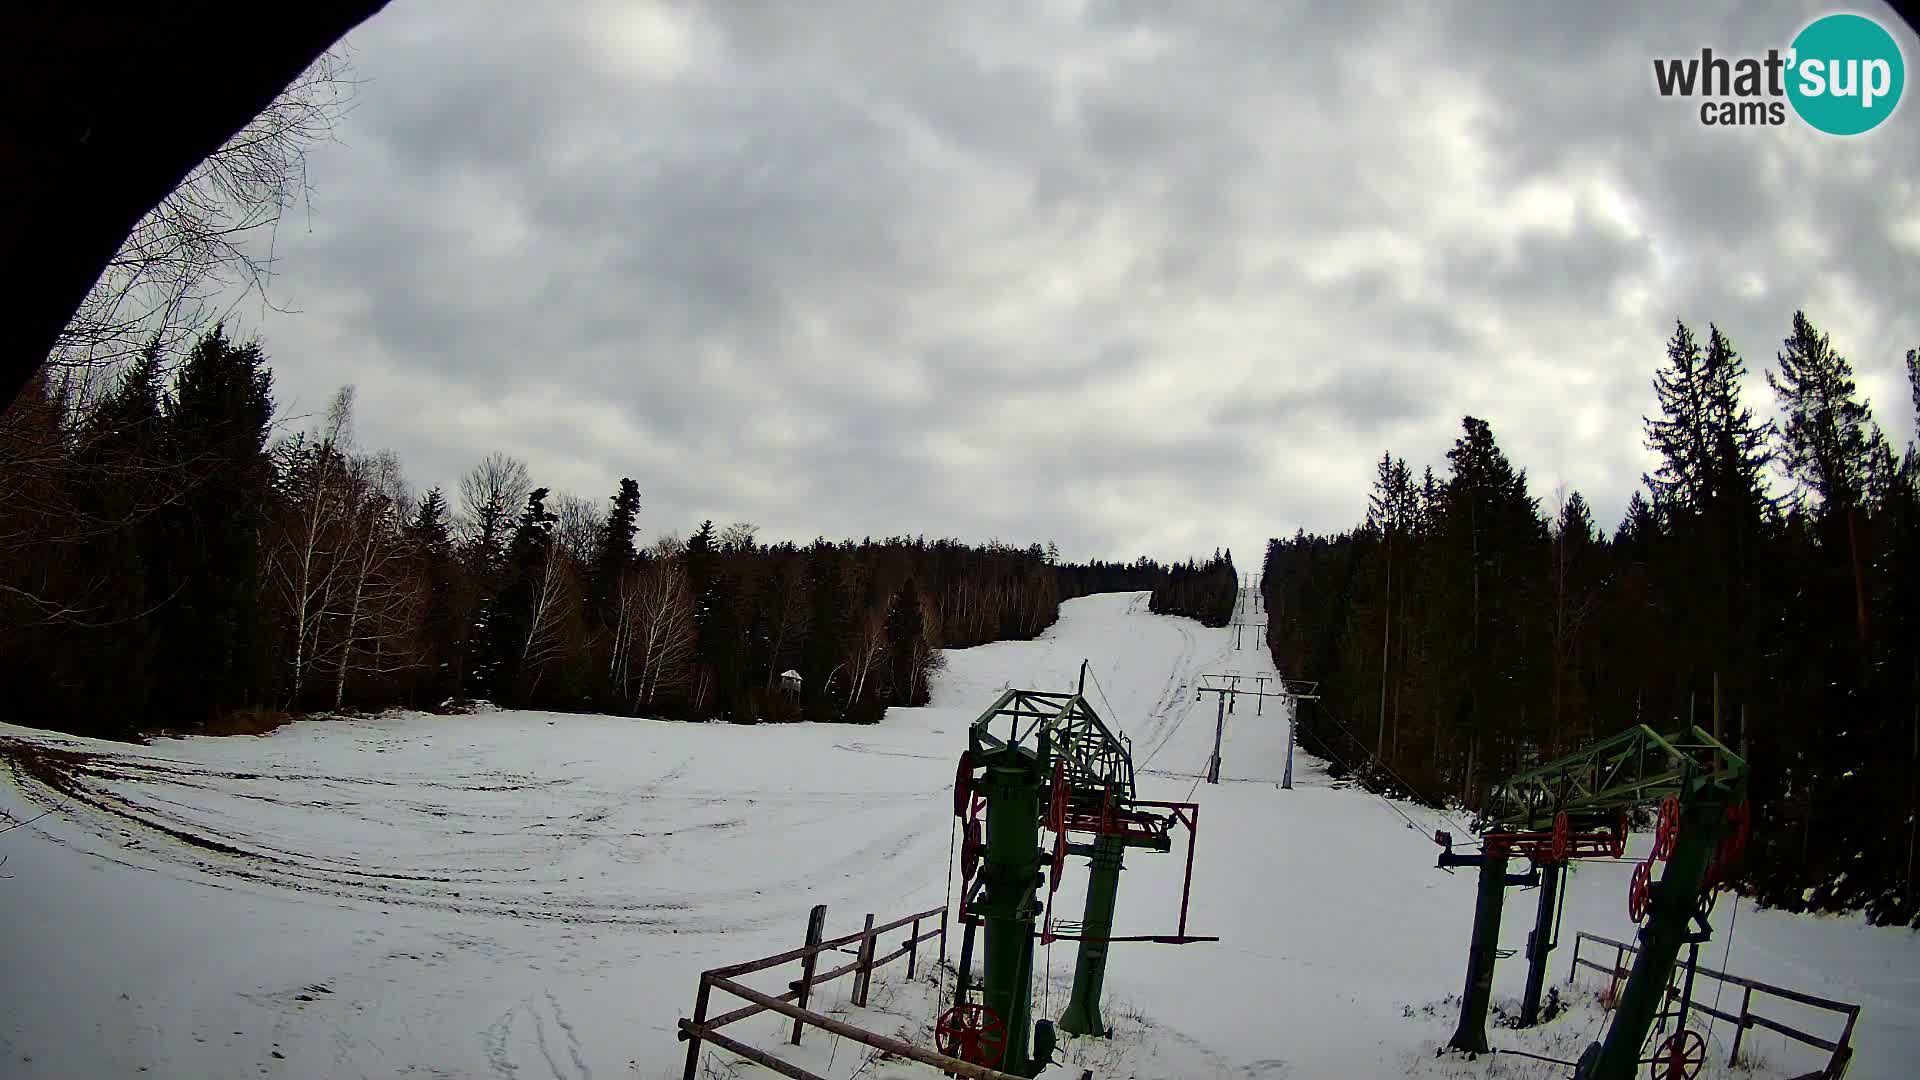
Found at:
(1840, 1050)
(704, 1029)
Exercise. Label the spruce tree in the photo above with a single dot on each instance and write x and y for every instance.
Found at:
(829, 631)
(1829, 439)
(213, 638)
(511, 614)
(1494, 536)
(1685, 475)
(1830, 445)
(130, 474)
(716, 625)
(616, 554)
(431, 539)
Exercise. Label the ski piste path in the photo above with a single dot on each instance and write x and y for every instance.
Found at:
(532, 895)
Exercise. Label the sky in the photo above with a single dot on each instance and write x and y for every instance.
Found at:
(1137, 278)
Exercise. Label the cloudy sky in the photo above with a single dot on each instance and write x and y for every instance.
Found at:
(1136, 277)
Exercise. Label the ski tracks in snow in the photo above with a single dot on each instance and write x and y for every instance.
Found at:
(554, 1041)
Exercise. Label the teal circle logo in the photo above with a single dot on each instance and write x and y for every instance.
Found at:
(1845, 74)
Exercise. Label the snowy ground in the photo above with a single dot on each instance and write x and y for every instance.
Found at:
(528, 895)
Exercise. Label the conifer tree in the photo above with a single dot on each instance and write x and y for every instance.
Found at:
(213, 652)
(1830, 445)
(616, 554)
(431, 538)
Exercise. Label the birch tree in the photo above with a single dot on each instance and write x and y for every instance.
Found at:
(381, 600)
(304, 565)
(656, 606)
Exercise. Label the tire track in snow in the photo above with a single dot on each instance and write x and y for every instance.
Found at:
(573, 1037)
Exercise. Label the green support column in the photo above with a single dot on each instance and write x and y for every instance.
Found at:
(1541, 942)
(1471, 1035)
(1671, 909)
(1090, 971)
(1009, 902)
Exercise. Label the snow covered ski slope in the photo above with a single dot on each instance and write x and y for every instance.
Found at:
(531, 895)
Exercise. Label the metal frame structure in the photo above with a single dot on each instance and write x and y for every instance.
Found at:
(1551, 814)
(1635, 767)
(1048, 760)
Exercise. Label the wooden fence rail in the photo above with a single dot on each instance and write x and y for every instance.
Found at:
(1840, 1050)
(701, 1028)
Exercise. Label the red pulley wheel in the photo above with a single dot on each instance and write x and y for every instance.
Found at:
(971, 1032)
(970, 850)
(1639, 891)
(1679, 1057)
(1618, 845)
(963, 784)
(1666, 834)
(1740, 828)
(1562, 836)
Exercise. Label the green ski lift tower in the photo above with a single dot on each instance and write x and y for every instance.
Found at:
(1578, 806)
(1040, 762)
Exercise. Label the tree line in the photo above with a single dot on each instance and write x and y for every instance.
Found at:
(1764, 585)
(167, 560)
(1205, 591)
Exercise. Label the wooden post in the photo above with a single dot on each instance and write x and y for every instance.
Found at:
(913, 947)
(863, 975)
(699, 1017)
(1740, 1031)
(1843, 1053)
(816, 926)
(1613, 985)
(943, 936)
(1574, 968)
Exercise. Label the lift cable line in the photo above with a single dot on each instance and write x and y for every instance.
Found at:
(1388, 769)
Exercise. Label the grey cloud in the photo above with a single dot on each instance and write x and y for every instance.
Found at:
(1127, 276)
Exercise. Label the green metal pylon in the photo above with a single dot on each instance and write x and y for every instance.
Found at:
(1009, 902)
(1541, 942)
(1672, 905)
(1471, 1034)
(1090, 970)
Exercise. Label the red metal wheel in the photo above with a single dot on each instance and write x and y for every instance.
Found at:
(1562, 835)
(1667, 833)
(963, 784)
(1639, 891)
(970, 851)
(1740, 829)
(1617, 846)
(1679, 1057)
(971, 1032)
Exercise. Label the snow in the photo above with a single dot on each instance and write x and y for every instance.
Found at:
(529, 895)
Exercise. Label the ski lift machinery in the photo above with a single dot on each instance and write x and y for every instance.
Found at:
(1577, 807)
(1039, 761)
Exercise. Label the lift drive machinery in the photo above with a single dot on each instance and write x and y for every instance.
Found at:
(1578, 807)
(1034, 761)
